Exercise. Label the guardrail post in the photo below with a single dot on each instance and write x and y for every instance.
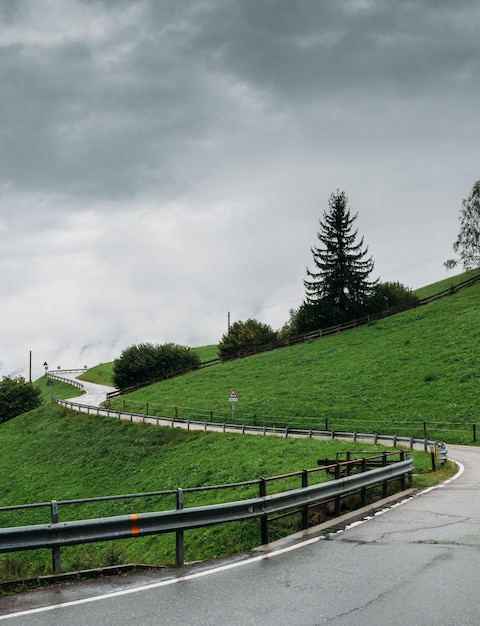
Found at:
(402, 478)
(305, 508)
(179, 546)
(337, 498)
(56, 563)
(262, 485)
(384, 483)
(363, 490)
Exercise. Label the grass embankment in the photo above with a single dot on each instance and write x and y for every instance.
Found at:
(391, 376)
(57, 389)
(61, 455)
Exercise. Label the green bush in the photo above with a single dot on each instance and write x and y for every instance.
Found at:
(147, 362)
(17, 396)
(389, 295)
(243, 336)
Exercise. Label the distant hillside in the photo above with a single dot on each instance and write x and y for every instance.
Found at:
(419, 365)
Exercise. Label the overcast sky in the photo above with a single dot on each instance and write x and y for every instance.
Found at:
(164, 162)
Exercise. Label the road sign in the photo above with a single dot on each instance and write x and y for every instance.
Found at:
(233, 396)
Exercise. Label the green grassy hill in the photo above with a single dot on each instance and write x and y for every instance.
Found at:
(389, 376)
(51, 453)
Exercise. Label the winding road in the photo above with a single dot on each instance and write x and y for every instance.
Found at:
(416, 562)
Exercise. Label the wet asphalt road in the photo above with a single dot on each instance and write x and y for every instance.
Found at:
(417, 563)
(93, 394)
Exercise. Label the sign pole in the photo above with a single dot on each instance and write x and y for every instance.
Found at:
(232, 398)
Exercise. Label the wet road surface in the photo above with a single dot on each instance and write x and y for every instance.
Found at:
(416, 563)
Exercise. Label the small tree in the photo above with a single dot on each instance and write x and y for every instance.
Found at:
(391, 294)
(17, 396)
(144, 362)
(339, 289)
(245, 336)
(467, 245)
(308, 317)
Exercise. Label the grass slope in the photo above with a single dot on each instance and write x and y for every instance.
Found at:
(62, 455)
(390, 376)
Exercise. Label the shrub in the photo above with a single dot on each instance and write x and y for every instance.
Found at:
(391, 294)
(17, 396)
(147, 362)
(243, 336)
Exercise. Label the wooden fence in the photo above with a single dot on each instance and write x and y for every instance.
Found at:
(304, 337)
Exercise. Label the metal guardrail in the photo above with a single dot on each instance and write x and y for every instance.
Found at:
(68, 381)
(59, 534)
(414, 443)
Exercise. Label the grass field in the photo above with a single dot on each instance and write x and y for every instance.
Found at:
(417, 368)
(389, 376)
(61, 455)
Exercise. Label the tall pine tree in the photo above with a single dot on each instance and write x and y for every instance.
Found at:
(339, 289)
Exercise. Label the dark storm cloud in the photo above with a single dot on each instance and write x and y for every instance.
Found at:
(111, 115)
(298, 49)
(166, 161)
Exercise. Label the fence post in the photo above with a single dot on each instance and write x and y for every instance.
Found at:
(56, 563)
(262, 485)
(179, 547)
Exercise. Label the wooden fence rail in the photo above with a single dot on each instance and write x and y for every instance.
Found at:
(304, 337)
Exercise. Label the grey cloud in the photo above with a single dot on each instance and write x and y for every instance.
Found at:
(297, 49)
(164, 162)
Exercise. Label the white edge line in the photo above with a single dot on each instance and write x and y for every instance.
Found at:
(224, 568)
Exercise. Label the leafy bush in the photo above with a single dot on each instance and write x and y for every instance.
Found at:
(243, 336)
(17, 396)
(147, 362)
(389, 295)
(310, 317)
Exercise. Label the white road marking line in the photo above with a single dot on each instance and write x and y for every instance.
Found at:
(229, 566)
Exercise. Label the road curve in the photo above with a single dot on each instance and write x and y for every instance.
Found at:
(94, 394)
(415, 563)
